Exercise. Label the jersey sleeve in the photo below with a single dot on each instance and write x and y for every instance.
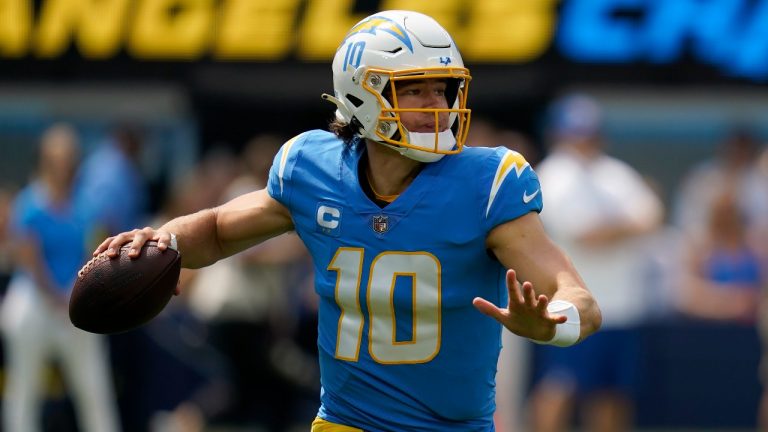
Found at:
(513, 190)
(279, 184)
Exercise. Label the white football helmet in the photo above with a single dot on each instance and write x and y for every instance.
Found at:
(388, 48)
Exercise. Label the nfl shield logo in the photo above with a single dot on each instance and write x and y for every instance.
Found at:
(381, 224)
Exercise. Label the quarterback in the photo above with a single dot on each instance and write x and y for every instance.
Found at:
(415, 239)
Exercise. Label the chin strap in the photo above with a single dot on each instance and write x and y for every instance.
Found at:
(417, 155)
(426, 140)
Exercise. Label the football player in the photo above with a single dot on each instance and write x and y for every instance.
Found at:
(415, 239)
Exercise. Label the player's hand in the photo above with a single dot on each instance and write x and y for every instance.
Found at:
(136, 238)
(526, 314)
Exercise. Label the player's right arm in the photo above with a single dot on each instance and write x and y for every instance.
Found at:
(212, 234)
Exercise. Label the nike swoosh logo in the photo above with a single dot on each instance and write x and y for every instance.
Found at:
(527, 198)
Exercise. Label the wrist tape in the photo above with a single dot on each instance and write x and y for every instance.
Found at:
(567, 333)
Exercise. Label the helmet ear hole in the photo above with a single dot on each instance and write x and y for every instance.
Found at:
(386, 93)
(356, 101)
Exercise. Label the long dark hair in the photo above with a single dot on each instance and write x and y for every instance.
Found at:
(343, 130)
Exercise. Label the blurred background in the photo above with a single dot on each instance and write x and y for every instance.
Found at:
(178, 105)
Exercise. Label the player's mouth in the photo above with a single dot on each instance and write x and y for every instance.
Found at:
(428, 127)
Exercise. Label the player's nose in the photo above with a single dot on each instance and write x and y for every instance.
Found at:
(434, 100)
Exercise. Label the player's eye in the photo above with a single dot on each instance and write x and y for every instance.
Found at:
(411, 91)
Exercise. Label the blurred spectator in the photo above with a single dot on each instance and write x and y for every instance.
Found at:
(7, 194)
(735, 168)
(724, 268)
(600, 210)
(725, 274)
(110, 180)
(762, 418)
(169, 360)
(484, 133)
(762, 239)
(722, 206)
(49, 228)
(518, 142)
(250, 320)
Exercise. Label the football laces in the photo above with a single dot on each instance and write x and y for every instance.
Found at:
(92, 262)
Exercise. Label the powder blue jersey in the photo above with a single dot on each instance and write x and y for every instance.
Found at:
(401, 346)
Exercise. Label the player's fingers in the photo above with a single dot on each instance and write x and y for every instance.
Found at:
(103, 246)
(542, 307)
(513, 287)
(542, 302)
(529, 295)
(139, 238)
(163, 240)
(488, 308)
(558, 319)
(113, 248)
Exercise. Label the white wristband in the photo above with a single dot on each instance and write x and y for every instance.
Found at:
(174, 243)
(567, 333)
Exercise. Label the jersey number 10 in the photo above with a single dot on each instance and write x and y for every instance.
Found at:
(424, 270)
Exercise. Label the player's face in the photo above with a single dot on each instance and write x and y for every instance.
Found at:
(427, 93)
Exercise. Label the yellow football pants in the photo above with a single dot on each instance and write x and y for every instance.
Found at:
(320, 425)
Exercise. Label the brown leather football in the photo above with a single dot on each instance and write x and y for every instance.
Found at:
(120, 294)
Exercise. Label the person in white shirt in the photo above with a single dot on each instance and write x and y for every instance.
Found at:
(600, 210)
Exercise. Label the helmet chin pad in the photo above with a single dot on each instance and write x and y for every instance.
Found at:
(426, 146)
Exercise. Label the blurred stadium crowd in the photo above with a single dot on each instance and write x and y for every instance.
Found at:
(680, 274)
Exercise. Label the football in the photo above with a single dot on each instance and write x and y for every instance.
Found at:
(119, 294)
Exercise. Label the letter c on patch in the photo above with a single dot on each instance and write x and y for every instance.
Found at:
(328, 217)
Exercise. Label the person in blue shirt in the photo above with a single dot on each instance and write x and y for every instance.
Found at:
(49, 230)
(413, 240)
(112, 171)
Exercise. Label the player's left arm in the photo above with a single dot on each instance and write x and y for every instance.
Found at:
(523, 246)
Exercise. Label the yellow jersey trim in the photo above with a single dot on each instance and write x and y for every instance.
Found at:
(511, 161)
(284, 160)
